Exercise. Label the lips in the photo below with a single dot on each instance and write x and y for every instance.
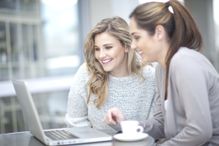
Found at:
(140, 52)
(106, 61)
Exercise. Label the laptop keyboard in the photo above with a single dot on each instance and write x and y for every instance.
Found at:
(60, 135)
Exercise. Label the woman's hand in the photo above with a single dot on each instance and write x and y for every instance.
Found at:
(114, 116)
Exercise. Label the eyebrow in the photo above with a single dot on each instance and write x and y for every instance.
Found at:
(134, 33)
(107, 44)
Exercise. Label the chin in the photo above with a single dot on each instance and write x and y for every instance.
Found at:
(146, 59)
(106, 69)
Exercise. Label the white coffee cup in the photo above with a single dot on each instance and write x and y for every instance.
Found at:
(131, 127)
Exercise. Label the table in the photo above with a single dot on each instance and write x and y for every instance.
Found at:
(26, 139)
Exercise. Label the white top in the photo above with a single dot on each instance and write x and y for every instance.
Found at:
(132, 94)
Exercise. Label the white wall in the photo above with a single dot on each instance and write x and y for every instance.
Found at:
(92, 11)
(100, 9)
(202, 11)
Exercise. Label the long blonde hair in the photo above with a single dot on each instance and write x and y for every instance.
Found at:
(98, 81)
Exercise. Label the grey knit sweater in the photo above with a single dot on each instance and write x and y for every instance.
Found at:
(132, 94)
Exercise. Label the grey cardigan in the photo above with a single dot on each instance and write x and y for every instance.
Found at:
(190, 115)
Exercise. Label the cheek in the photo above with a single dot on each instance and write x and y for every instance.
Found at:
(116, 52)
(141, 44)
(152, 54)
(96, 54)
(122, 53)
(147, 46)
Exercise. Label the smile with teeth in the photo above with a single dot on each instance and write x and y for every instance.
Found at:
(140, 52)
(105, 61)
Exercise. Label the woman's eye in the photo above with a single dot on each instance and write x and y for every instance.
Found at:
(108, 47)
(136, 38)
(96, 49)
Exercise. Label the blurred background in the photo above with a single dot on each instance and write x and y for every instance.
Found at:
(41, 41)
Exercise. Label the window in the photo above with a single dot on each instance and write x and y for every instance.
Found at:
(39, 42)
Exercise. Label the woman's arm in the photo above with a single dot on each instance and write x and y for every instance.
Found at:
(190, 80)
(155, 125)
(77, 111)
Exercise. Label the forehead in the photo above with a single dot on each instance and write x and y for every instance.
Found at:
(135, 30)
(105, 38)
(133, 26)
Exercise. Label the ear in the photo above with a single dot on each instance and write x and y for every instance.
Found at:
(160, 32)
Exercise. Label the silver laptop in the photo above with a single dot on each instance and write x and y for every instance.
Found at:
(75, 135)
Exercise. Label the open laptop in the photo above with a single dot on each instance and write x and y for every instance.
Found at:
(75, 135)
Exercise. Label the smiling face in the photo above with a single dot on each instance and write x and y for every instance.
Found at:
(111, 54)
(145, 44)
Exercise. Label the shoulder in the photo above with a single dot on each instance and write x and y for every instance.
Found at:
(82, 70)
(82, 73)
(80, 80)
(186, 59)
(189, 65)
(150, 67)
(149, 70)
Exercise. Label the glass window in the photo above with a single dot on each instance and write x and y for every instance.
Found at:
(38, 38)
(39, 42)
(60, 32)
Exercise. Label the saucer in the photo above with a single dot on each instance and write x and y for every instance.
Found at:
(124, 137)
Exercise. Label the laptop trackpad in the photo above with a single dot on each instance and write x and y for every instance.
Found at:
(86, 132)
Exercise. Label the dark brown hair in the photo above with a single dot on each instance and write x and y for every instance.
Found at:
(177, 22)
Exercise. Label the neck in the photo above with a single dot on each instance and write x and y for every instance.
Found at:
(122, 69)
(122, 72)
(163, 55)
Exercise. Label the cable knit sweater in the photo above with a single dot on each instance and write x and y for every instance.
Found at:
(133, 95)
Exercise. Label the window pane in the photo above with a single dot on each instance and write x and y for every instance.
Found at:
(60, 30)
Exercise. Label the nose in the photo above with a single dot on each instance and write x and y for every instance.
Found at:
(102, 53)
(133, 45)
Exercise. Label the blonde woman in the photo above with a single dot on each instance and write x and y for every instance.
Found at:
(110, 77)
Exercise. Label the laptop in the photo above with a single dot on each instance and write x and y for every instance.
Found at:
(61, 136)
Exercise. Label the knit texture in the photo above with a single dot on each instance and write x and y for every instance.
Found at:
(131, 94)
